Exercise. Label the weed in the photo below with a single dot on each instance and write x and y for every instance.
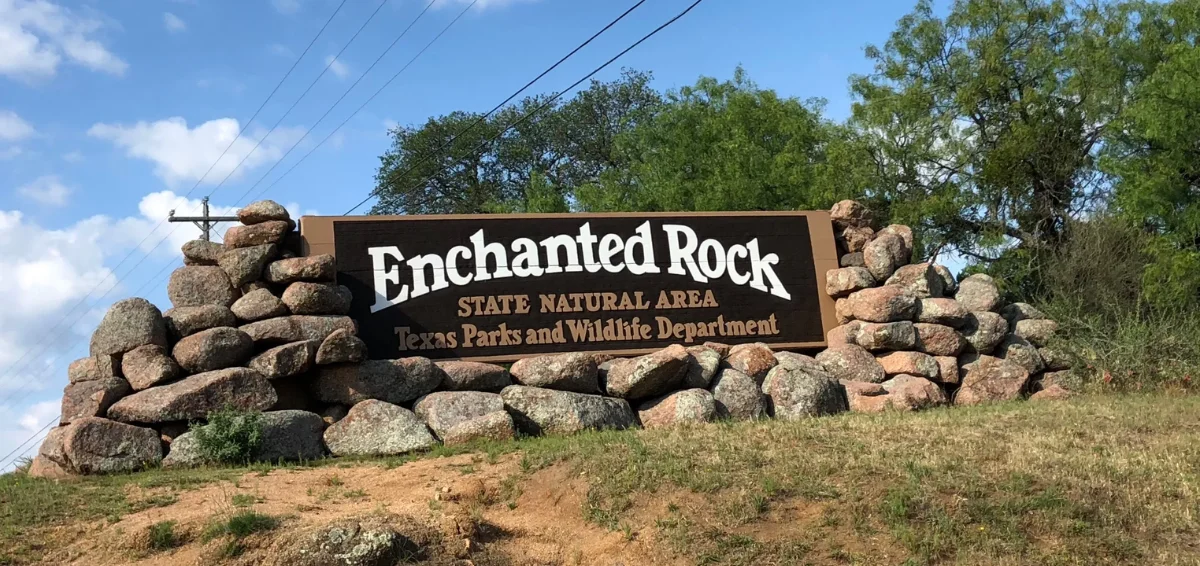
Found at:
(240, 525)
(230, 436)
(162, 536)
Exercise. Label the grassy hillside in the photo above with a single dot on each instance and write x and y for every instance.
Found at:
(1094, 480)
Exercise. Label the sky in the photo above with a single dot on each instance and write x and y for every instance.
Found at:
(114, 113)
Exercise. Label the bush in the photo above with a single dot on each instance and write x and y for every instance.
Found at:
(230, 436)
(240, 525)
(162, 536)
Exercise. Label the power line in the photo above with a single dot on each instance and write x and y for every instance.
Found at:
(27, 440)
(360, 78)
(52, 332)
(554, 98)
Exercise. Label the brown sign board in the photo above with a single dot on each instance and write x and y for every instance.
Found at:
(502, 287)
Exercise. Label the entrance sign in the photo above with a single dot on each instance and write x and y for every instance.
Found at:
(501, 287)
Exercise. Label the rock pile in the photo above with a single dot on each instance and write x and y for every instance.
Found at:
(256, 327)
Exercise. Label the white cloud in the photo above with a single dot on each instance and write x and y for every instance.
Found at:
(173, 23)
(47, 189)
(12, 126)
(339, 69)
(72, 157)
(37, 35)
(182, 154)
(286, 6)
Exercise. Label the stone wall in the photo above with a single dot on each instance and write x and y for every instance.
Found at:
(255, 327)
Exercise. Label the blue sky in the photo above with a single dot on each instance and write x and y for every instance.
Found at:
(110, 113)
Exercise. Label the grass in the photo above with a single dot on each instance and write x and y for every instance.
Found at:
(1100, 479)
(162, 536)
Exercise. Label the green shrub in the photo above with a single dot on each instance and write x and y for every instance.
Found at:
(162, 536)
(230, 436)
(240, 525)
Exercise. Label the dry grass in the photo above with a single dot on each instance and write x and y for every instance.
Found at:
(1095, 480)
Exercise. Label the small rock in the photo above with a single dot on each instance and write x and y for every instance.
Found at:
(798, 361)
(1037, 332)
(290, 436)
(385, 380)
(496, 426)
(841, 309)
(186, 321)
(565, 372)
(262, 211)
(844, 334)
(91, 398)
(737, 396)
(947, 369)
(201, 252)
(184, 452)
(317, 298)
(939, 340)
(286, 360)
(1064, 379)
(841, 282)
(886, 336)
(984, 331)
(914, 392)
(863, 397)
(1052, 393)
(547, 411)
(1054, 359)
(978, 293)
(853, 239)
(920, 280)
(702, 367)
(911, 363)
(99, 446)
(474, 376)
(45, 468)
(650, 375)
(269, 232)
(687, 406)
(377, 428)
(1016, 312)
(196, 285)
(149, 365)
(296, 328)
(852, 260)
(245, 265)
(947, 312)
(883, 255)
(197, 396)
(443, 410)
(1017, 350)
(128, 324)
(314, 268)
(721, 349)
(213, 349)
(91, 368)
(795, 393)
(906, 237)
(754, 360)
(882, 304)
(259, 304)
(851, 362)
(355, 541)
(848, 213)
(991, 379)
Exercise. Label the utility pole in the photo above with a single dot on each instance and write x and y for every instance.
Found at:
(204, 222)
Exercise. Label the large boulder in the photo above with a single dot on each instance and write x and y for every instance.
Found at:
(911, 363)
(947, 369)
(687, 406)
(737, 395)
(1016, 312)
(798, 361)
(105, 366)
(128, 324)
(1055, 360)
(938, 340)
(702, 368)
(864, 397)
(308, 268)
(196, 285)
(245, 265)
(754, 360)
(794, 393)
(197, 396)
(851, 362)
(185, 321)
(474, 376)
(949, 283)
(93, 445)
(947, 312)
(978, 293)
(296, 328)
(262, 211)
(149, 365)
(851, 260)
(384, 380)
(1019, 351)
(492, 426)
(290, 436)
(341, 346)
(378, 428)
(906, 237)
(854, 239)
(883, 255)
(841, 282)
(285, 361)
(882, 304)
(920, 280)
(1038, 332)
(201, 252)
(536, 411)
(648, 376)
(91, 398)
(303, 297)
(269, 232)
(444, 410)
(886, 336)
(991, 379)
(984, 331)
(565, 372)
(848, 213)
(913, 393)
(184, 452)
(213, 349)
(259, 304)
